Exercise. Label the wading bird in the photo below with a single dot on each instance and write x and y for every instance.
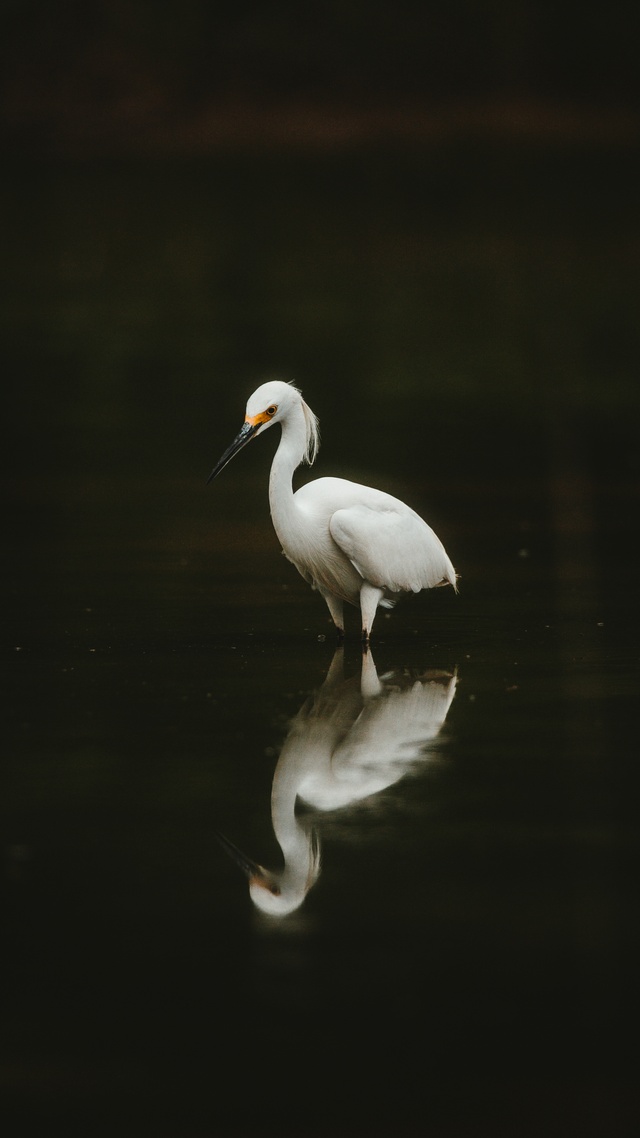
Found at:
(350, 542)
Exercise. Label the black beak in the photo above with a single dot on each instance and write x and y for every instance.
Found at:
(241, 439)
(248, 867)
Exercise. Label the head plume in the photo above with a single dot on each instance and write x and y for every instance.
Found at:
(313, 431)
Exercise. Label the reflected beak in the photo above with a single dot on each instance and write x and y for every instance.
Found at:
(242, 438)
(250, 868)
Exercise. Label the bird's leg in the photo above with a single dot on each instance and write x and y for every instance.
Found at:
(335, 675)
(370, 597)
(334, 604)
(370, 685)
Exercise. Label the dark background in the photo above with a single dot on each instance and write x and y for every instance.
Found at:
(427, 216)
(193, 191)
(120, 71)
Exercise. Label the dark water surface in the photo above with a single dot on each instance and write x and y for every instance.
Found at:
(462, 961)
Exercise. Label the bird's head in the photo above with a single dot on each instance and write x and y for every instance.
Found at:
(272, 402)
(275, 893)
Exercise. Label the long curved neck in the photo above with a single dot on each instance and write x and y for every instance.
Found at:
(288, 456)
(295, 838)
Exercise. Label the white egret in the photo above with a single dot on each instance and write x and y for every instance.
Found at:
(349, 741)
(350, 542)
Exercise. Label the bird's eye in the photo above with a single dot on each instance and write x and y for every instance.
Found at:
(272, 409)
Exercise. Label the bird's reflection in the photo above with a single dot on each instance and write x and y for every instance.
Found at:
(351, 739)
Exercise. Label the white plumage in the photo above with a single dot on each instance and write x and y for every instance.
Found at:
(350, 542)
(350, 740)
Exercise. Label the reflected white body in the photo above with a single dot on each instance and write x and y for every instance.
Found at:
(349, 741)
(350, 542)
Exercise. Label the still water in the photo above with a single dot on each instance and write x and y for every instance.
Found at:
(447, 826)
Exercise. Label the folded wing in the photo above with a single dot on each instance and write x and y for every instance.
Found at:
(392, 547)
